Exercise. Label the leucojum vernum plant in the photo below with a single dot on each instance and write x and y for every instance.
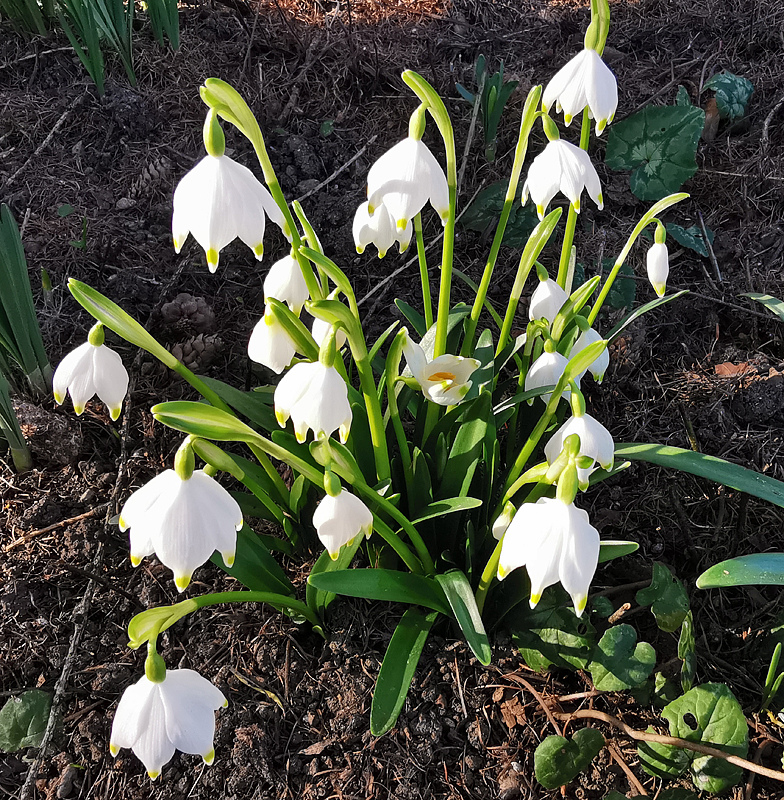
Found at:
(456, 449)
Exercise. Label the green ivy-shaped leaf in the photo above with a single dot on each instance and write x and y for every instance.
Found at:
(690, 237)
(667, 598)
(558, 761)
(682, 98)
(659, 144)
(620, 662)
(552, 634)
(732, 94)
(709, 714)
(23, 720)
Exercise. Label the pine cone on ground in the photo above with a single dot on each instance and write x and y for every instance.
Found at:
(189, 313)
(198, 352)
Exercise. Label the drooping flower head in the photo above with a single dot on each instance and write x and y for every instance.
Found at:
(546, 371)
(658, 267)
(182, 521)
(445, 380)
(405, 178)
(340, 519)
(285, 282)
(316, 398)
(156, 718)
(546, 301)
(270, 343)
(555, 542)
(596, 442)
(378, 229)
(584, 81)
(561, 167)
(599, 366)
(90, 369)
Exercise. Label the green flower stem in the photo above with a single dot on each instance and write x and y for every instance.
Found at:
(423, 272)
(272, 473)
(650, 216)
(260, 597)
(523, 270)
(571, 219)
(373, 407)
(526, 123)
(198, 384)
(393, 540)
(413, 534)
(489, 572)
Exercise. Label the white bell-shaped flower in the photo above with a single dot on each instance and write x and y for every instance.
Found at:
(378, 229)
(270, 343)
(546, 301)
(599, 366)
(339, 520)
(658, 264)
(555, 542)
(584, 81)
(285, 282)
(182, 521)
(89, 370)
(155, 719)
(319, 330)
(404, 179)
(445, 380)
(218, 201)
(561, 167)
(596, 442)
(503, 521)
(546, 371)
(316, 398)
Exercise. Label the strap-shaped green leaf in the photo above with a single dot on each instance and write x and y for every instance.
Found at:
(256, 405)
(398, 667)
(467, 449)
(202, 420)
(461, 599)
(715, 469)
(320, 599)
(638, 312)
(383, 584)
(761, 569)
(610, 549)
(449, 506)
(254, 566)
(773, 304)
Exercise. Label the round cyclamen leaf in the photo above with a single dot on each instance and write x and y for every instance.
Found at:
(23, 720)
(619, 662)
(732, 94)
(659, 144)
(667, 598)
(558, 760)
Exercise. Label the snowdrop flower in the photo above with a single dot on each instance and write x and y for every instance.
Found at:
(315, 397)
(584, 81)
(561, 167)
(285, 282)
(444, 380)
(156, 718)
(546, 371)
(546, 301)
(90, 369)
(658, 264)
(339, 520)
(555, 542)
(320, 328)
(596, 442)
(270, 343)
(182, 521)
(379, 229)
(599, 366)
(503, 521)
(404, 179)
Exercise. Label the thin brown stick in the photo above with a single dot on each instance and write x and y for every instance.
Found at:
(539, 699)
(25, 537)
(619, 760)
(768, 120)
(673, 741)
(709, 246)
(757, 759)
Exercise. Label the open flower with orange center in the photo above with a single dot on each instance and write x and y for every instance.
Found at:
(444, 380)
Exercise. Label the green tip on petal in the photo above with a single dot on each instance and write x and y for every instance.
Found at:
(209, 757)
(182, 582)
(212, 259)
(113, 749)
(660, 289)
(228, 559)
(58, 398)
(334, 556)
(401, 225)
(225, 703)
(79, 410)
(576, 206)
(258, 251)
(300, 436)
(403, 247)
(343, 433)
(382, 253)
(114, 413)
(535, 598)
(502, 573)
(579, 605)
(360, 249)
(153, 775)
(135, 560)
(280, 418)
(568, 119)
(600, 126)
(540, 212)
(371, 209)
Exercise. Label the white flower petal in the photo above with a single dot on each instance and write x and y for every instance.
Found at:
(546, 371)
(285, 282)
(599, 366)
(74, 363)
(270, 344)
(658, 267)
(190, 702)
(111, 379)
(339, 520)
(546, 301)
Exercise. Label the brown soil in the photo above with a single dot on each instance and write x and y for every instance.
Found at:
(297, 723)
